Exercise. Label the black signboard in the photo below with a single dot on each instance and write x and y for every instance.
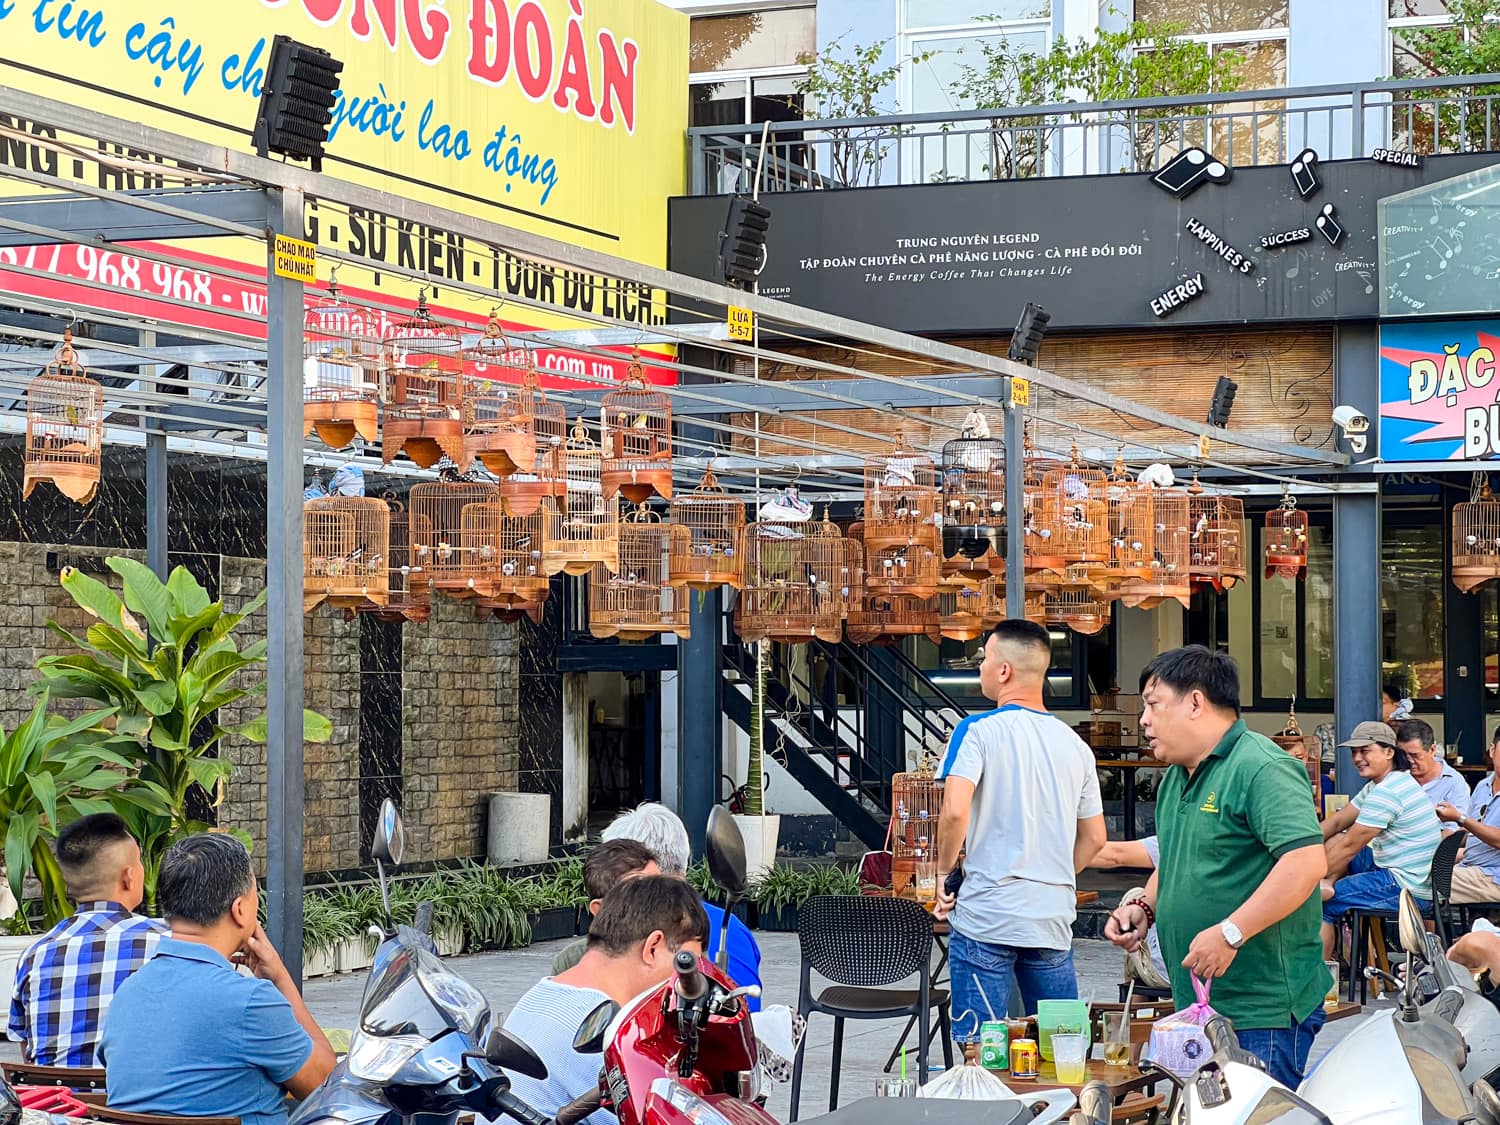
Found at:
(1095, 251)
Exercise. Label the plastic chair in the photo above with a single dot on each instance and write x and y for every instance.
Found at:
(862, 945)
(88, 1079)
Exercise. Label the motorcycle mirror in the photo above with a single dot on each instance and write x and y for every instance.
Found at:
(589, 1039)
(504, 1052)
(726, 853)
(1413, 932)
(1489, 1101)
(389, 844)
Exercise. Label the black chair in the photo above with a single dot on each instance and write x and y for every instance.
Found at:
(1361, 922)
(862, 944)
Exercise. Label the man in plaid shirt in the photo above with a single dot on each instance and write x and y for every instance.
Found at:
(65, 982)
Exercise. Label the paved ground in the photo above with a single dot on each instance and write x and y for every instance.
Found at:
(503, 977)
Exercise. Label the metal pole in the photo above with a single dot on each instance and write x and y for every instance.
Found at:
(1356, 623)
(1015, 503)
(156, 475)
(284, 586)
(700, 722)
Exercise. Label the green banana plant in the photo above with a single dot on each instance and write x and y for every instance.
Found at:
(755, 760)
(54, 770)
(165, 683)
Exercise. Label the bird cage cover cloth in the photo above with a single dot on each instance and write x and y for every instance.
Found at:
(499, 405)
(973, 497)
(408, 591)
(583, 526)
(341, 369)
(1217, 553)
(438, 547)
(509, 550)
(917, 805)
(523, 491)
(798, 582)
(64, 433)
(712, 553)
(345, 552)
(636, 429)
(1476, 538)
(424, 392)
(636, 601)
(1286, 541)
(1171, 558)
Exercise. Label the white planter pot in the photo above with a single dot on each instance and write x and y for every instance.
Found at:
(354, 954)
(760, 833)
(320, 963)
(11, 949)
(450, 942)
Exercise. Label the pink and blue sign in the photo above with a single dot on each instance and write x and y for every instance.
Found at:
(1439, 391)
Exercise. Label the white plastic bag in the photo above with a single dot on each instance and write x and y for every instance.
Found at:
(968, 1082)
(778, 1033)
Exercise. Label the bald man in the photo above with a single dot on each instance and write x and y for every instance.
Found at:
(1021, 787)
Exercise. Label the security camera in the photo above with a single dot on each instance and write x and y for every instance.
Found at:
(1350, 420)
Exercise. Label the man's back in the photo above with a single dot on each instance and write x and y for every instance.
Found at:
(744, 953)
(67, 980)
(546, 1018)
(1034, 780)
(190, 1036)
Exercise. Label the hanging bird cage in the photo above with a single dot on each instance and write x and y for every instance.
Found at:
(637, 602)
(1037, 537)
(345, 552)
(547, 477)
(965, 612)
(1286, 540)
(917, 804)
(798, 582)
(1073, 518)
(408, 589)
(875, 618)
(636, 430)
(1131, 531)
(583, 526)
(452, 566)
(1079, 608)
(902, 530)
(499, 404)
(64, 427)
(509, 550)
(712, 553)
(973, 505)
(1476, 537)
(1217, 553)
(509, 613)
(341, 371)
(424, 393)
(1171, 556)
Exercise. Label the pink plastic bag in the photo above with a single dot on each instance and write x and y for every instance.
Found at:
(1177, 1041)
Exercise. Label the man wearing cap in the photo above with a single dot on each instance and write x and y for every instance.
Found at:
(1384, 838)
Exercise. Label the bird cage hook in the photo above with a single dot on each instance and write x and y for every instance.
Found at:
(333, 281)
(1479, 487)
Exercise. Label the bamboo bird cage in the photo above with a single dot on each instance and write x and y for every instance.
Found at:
(1073, 519)
(876, 618)
(1476, 537)
(798, 582)
(1077, 607)
(902, 532)
(499, 405)
(1171, 554)
(1130, 530)
(1036, 535)
(1217, 538)
(523, 491)
(973, 499)
(64, 427)
(452, 566)
(712, 554)
(583, 525)
(917, 804)
(424, 414)
(408, 589)
(966, 612)
(345, 552)
(1286, 540)
(341, 372)
(636, 433)
(509, 551)
(637, 601)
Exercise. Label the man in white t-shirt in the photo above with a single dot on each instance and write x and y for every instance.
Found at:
(1021, 787)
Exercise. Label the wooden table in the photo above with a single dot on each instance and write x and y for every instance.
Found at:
(1120, 1080)
(1128, 766)
(1343, 1010)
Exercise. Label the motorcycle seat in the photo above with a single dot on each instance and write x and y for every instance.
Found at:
(926, 1111)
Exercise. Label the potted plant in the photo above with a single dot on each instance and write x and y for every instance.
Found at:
(165, 690)
(554, 902)
(780, 895)
(759, 829)
(326, 925)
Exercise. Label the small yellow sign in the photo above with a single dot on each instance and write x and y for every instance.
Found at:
(1020, 391)
(741, 324)
(296, 260)
(1203, 446)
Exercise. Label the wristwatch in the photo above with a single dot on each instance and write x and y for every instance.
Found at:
(1231, 934)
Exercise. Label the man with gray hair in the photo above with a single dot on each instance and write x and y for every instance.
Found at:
(662, 830)
(1440, 781)
(187, 1035)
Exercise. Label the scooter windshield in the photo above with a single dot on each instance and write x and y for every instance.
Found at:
(414, 994)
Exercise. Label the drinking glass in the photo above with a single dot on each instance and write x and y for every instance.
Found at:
(1116, 1038)
(1068, 1053)
(895, 1087)
(1331, 1000)
(926, 879)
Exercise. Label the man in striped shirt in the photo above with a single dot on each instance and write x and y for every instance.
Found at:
(65, 982)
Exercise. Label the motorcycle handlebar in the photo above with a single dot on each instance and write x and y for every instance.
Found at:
(422, 923)
(692, 985)
(512, 1106)
(579, 1108)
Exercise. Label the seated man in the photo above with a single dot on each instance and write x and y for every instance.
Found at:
(662, 830)
(1440, 781)
(66, 982)
(1476, 876)
(1385, 837)
(640, 926)
(187, 1034)
(606, 865)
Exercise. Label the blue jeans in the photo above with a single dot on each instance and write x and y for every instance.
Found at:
(1043, 974)
(1284, 1050)
(1366, 887)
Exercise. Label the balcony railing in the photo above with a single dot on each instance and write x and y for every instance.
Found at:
(1428, 116)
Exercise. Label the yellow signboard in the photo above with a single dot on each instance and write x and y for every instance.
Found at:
(295, 260)
(1020, 391)
(1203, 446)
(741, 324)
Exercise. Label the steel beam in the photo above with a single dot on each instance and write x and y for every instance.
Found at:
(1356, 623)
(700, 715)
(1015, 504)
(114, 220)
(284, 780)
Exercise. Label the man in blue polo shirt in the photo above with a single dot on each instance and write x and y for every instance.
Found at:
(187, 1034)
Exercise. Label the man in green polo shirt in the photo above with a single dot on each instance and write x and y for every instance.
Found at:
(1235, 897)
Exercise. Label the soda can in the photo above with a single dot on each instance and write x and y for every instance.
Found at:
(994, 1045)
(1025, 1058)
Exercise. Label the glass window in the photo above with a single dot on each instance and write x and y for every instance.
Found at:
(1406, 59)
(752, 41)
(1402, 9)
(933, 77)
(1215, 17)
(1294, 656)
(956, 13)
(1411, 603)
